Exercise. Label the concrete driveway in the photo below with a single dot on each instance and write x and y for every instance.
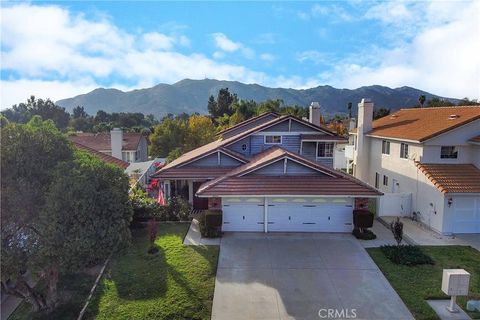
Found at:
(301, 276)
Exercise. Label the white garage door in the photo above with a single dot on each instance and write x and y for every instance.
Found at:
(310, 215)
(243, 214)
(466, 215)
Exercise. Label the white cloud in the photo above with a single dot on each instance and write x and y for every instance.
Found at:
(155, 40)
(441, 57)
(334, 13)
(267, 57)
(313, 56)
(225, 44)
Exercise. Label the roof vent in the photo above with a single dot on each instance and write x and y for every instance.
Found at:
(394, 116)
(453, 116)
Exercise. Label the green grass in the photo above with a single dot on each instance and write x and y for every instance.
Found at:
(415, 284)
(73, 289)
(175, 283)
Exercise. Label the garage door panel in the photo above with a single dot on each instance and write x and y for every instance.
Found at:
(466, 215)
(243, 215)
(310, 217)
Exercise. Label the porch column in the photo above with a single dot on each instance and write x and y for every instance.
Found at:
(190, 191)
(265, 216)
(167, 189)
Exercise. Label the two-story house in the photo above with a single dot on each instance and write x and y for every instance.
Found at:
(126, 146)
(431, 153)
(270, 173)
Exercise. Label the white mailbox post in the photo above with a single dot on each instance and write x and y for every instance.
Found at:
(455, 282)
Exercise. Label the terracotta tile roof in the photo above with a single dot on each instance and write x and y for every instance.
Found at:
(287, 185)
(322, 137)
(197, 153)
(193, 172)
(237, 182)
(452, 178)
(102, 141)
(420, 124)
(475, 140)
(105, 157)
(243, 123)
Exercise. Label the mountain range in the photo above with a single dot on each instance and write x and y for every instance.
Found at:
(192, 95)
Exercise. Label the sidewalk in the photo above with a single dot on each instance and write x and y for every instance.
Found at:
(384, 236)
(194, 238)
(10, 303)
(417, 234)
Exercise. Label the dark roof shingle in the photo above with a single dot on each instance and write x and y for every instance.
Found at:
(452, 178)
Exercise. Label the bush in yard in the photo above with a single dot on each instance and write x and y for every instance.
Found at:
(397, 229)
(210, 223)
(144, 207)
(177, 209)
(364, 235)
(362, 220)
(406, 255)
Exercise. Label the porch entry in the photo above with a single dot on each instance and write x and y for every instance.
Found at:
(199, 203)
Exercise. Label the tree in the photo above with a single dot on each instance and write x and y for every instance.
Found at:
(79, 112)
(380, 113)
(61, 210)
(421, 99)
(396, 227)
(223, 104)
(200, 131)
(437, 102)
(46, 109)
(86, 217)
(467, 102)
(167, 136)
(30, 154)
(349, 107)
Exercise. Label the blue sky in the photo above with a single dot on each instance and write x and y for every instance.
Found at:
(68, 48)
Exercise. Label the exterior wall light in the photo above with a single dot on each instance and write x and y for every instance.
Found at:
(449, 202)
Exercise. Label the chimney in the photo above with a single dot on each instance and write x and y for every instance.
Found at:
(314, 115)
(116, 138)
(365, 115)
(364, 125)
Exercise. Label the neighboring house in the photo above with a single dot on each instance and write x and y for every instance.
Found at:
(270, 173)
(128, 146)
(432, 154)
(103, 156)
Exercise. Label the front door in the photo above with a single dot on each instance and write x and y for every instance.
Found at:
(199, 203)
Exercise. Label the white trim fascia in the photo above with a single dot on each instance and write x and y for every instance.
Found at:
(396, 139)
(208, 154)
(473, 194)
(286, 157)
(289, 196)
(279, 133)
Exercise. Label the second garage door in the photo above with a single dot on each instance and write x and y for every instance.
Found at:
(310, 215)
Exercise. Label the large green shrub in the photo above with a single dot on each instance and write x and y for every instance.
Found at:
(406, 255)
(210, 223)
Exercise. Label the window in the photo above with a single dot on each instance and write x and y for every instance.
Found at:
(377, 179)
(449, 152)
(385, 180)
(385, 147)
(244, 146)
(404, 151)
(325, 150)
(273, 139)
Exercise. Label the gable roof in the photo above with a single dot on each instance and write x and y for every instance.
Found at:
(248, 121)
(475, 140)
(215, 145)
(452, 178)
(102, 141)
(238, 182)
(420, 124)
(102, 156)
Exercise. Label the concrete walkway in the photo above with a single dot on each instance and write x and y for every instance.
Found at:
(384, 236)
(10, 303)
(301, 276)
(417, 234)
(194, 238)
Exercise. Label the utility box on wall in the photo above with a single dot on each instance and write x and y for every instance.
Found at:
(455, 282)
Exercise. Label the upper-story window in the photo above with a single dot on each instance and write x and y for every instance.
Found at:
(385, 147)
(404, 151)
(325, 150)
(449, 152)
(385, 180)
(273, 139)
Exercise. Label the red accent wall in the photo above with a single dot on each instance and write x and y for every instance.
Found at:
(361, 203)
(215, 203)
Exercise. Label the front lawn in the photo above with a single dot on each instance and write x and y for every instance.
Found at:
(415, 284)
(175, 283)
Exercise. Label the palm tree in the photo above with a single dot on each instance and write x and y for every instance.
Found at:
(421, 99)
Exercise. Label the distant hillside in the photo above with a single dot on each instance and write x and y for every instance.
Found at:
(192, 95)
